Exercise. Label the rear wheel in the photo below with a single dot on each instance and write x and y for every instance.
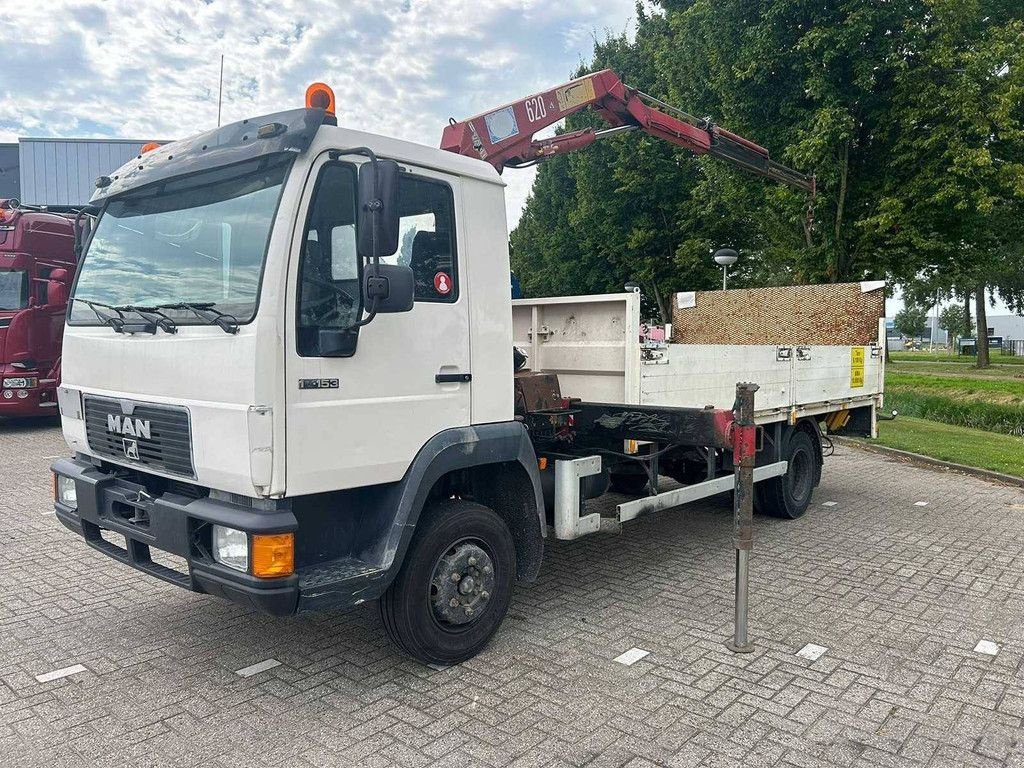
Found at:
(789, 496)
(454, 588)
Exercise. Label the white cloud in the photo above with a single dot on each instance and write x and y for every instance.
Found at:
(149, 68)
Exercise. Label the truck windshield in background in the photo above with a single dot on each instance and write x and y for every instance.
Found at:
(200, 239)
(13, 289)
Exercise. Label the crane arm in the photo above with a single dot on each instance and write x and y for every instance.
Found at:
(503, 137)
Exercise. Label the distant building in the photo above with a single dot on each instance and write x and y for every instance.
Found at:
(10, 178)
(897, 342)
(1007, 326)
(60, 173)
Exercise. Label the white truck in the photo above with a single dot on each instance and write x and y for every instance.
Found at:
(288, 381)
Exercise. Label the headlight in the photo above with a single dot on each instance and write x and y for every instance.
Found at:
(21, 382)
(65, 492)
(231, 547)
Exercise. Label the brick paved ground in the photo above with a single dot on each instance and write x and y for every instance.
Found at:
(900, 595)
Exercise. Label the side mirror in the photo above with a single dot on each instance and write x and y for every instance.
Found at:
(378, 209)
(56, 293)
(391, 288)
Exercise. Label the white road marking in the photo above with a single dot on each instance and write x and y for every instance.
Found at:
(812, 652)
(920, 503)
(438, 667)
(987, 647)
(632, 656)
(829, 503)
(57, 674)
(255, 669)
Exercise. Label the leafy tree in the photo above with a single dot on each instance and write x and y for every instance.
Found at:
(955, 321)
(911, 321)
(952, 204)
(909, 111)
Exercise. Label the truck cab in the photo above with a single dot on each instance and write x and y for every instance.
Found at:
(224, 403)
(37, 262)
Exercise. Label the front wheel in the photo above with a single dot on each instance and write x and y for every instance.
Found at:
(454, 588)
(789, 496)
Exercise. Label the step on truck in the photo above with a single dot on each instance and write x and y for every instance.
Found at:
(37, 262)
(294, 376)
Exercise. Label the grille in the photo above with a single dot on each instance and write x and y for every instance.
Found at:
(168, 447)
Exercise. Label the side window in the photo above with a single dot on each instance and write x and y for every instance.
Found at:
(427, 237)
(328, 292)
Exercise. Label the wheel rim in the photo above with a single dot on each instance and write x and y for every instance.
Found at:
(800, 476)
(462, 585)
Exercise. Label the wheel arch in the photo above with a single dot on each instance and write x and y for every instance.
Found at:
(494, 464)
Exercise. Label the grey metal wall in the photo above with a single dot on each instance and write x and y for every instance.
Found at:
(63, 172)
(10, 178)
(1007, 326)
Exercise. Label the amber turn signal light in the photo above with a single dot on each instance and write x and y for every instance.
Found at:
(273, 555)
(320, 96)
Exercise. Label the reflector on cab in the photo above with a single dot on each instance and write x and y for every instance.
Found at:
(149, 147)
(320, 96)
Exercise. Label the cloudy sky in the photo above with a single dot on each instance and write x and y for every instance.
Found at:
(148, 69)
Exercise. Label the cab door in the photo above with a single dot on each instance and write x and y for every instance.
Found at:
(359, 415)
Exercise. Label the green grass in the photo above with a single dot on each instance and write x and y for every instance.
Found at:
(996, 358)
(972, 447)
(958, 370)
(963, 397)
(1008, 391)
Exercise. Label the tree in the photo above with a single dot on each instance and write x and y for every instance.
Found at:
(911, 321)
(955, 321)
(909, 112)
(952, 207)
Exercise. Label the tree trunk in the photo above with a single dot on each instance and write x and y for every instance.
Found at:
(662, 312)
(982, 335)
(844, 170)
(968, 325)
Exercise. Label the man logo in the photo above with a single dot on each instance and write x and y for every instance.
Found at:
(131, 448)
(127, 426)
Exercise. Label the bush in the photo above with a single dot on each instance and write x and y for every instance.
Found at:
(991, 417)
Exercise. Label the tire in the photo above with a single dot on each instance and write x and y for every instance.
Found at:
(629, 483)
(789, 496)
(452, 538)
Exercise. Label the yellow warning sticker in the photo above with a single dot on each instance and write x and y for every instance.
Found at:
(856, 367)
(575, 94)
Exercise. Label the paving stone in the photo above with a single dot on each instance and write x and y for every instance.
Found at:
(898, 594)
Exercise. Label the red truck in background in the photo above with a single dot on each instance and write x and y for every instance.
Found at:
(37, 265)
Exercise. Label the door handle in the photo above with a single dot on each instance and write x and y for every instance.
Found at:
(452, 378)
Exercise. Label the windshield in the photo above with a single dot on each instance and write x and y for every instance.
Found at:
(13, 289)
(200, 239)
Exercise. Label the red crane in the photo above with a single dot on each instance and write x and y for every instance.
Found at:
(504, 136)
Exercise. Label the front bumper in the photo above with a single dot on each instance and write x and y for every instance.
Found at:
(178, 525)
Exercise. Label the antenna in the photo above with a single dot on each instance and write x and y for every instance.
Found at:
(220, 90)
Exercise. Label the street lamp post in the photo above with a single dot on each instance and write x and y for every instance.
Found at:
(725, 258)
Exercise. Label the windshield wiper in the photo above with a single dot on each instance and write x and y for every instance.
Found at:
(206, 310)
(117, 323)
(152, 315)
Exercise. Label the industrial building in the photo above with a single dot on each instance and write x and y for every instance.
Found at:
(60, 173)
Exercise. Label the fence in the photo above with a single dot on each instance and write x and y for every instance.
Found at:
(1014, 347)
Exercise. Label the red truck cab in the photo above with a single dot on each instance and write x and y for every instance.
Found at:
(37, 265)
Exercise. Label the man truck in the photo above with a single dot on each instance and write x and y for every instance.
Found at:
(289, 377)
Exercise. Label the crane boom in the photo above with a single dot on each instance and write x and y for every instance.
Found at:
(504, 137)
